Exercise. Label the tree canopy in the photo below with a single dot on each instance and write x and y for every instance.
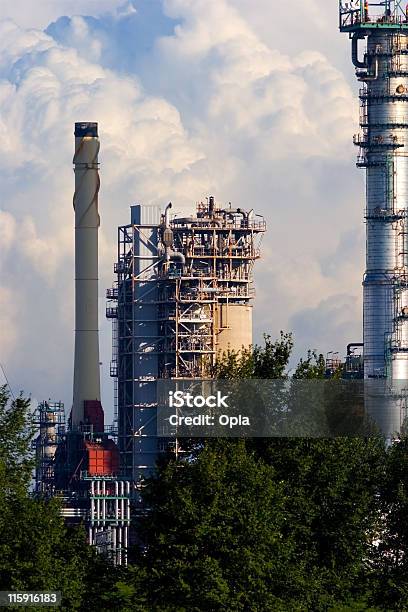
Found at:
(37, 551)
(282, 524)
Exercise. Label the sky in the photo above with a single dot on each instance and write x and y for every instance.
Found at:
(253, 102)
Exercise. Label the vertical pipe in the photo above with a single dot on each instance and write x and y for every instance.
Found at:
(86, 364)
(114, 544)
(104, 500)
(117, 502)
(98, 501)
(125, 545)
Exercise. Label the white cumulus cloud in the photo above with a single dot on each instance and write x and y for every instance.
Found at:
(191, 97)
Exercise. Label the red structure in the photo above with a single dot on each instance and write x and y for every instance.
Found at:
(102, 458)
(93, 415)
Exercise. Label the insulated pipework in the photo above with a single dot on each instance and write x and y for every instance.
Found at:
(168, 239)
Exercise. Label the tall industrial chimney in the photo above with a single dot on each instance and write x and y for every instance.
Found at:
(86, 366)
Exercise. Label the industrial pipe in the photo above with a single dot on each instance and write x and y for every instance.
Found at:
(354, 345)
(170, 255)
(167, 215)
(87, 183)
(354, 52)
(370, 76)
(246, 214)
(211, 206)
(175, 256)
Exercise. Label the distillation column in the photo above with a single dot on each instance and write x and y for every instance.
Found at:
(86, 367)
(379, 40)
(385, 136)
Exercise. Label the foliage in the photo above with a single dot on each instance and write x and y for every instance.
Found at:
(213, 535)
(267, 361)
(37, 551)
(332, 491)
(16, 460)
(264, 524)
(295, 524)
(314, 366)
(391, 555)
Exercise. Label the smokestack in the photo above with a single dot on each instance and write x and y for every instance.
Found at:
(86, 365)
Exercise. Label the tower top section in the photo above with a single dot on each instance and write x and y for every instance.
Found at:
(363, 16)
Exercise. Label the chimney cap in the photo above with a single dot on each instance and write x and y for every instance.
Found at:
(86, 129)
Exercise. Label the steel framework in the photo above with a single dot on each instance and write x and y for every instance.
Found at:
(109, 520)
(182, 295)
(355, 15)
(49, 417)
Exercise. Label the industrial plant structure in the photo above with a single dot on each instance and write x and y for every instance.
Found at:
(80, 463)
(379, 40)
(183, 296)
(49, 418)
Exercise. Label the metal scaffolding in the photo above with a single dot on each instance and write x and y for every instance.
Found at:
(183, 294)
(109, 520)
(49, 417)
(382, 14)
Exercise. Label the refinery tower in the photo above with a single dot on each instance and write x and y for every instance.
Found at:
(379, 50)
(79, 462)
(183, 295)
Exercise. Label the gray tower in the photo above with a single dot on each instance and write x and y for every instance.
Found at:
(379, 39)
(183, 294)
(86, 366)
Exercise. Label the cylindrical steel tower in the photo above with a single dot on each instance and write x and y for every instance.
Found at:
(383, 71)
(86, 367)
(184, 295)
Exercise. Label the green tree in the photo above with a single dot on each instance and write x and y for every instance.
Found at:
(269, 361)
(313, 367)
(213, 534)
(16, 460)
(262, 524)
(391, 558)
(37, 550)
(331, 486)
